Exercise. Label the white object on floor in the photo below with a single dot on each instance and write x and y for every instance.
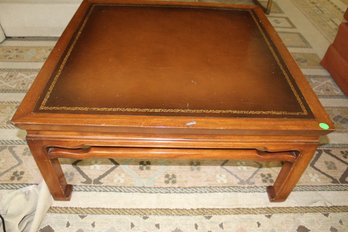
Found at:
(25, 208)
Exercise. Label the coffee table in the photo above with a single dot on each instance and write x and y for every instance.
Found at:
(171, 81)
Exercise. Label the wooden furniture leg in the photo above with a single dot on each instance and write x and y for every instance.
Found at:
(268, 7)
(51, 171)
(290, 174)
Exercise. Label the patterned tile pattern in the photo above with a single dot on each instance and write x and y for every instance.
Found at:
(24, 54)
(333, 164)
(294, 40)
(281, 22)
(217, 223)
(17, 165)
(324, 14)
(7, 109)
(16, 80)
(307, 60)
(339, 116)
(324, 86)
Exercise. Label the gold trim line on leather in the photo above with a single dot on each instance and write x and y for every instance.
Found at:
(154, 110)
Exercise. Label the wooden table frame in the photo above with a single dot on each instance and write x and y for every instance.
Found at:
(47, 147)
(81, 136)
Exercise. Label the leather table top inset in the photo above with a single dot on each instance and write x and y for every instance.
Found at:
(165, 60)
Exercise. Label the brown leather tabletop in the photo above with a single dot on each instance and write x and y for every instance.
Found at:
(170, 60)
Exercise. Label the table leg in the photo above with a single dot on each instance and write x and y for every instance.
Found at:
(51, 171)
(290, 174)
(268, 7)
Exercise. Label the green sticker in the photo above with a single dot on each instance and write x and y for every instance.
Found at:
(324, 126)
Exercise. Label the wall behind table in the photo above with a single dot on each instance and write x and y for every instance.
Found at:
(20, 18)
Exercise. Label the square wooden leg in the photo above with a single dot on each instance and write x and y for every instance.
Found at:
(51, 171)
(268, 7)
(290, 174)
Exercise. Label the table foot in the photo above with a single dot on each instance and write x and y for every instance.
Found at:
(268, 7)
(272, 196)
(51, 171)
(290, 174)
(67, 194)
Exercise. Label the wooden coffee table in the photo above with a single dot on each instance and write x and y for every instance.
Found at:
(171, 80)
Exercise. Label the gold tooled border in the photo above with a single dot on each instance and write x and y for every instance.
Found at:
(43, 106)
(298, 99)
